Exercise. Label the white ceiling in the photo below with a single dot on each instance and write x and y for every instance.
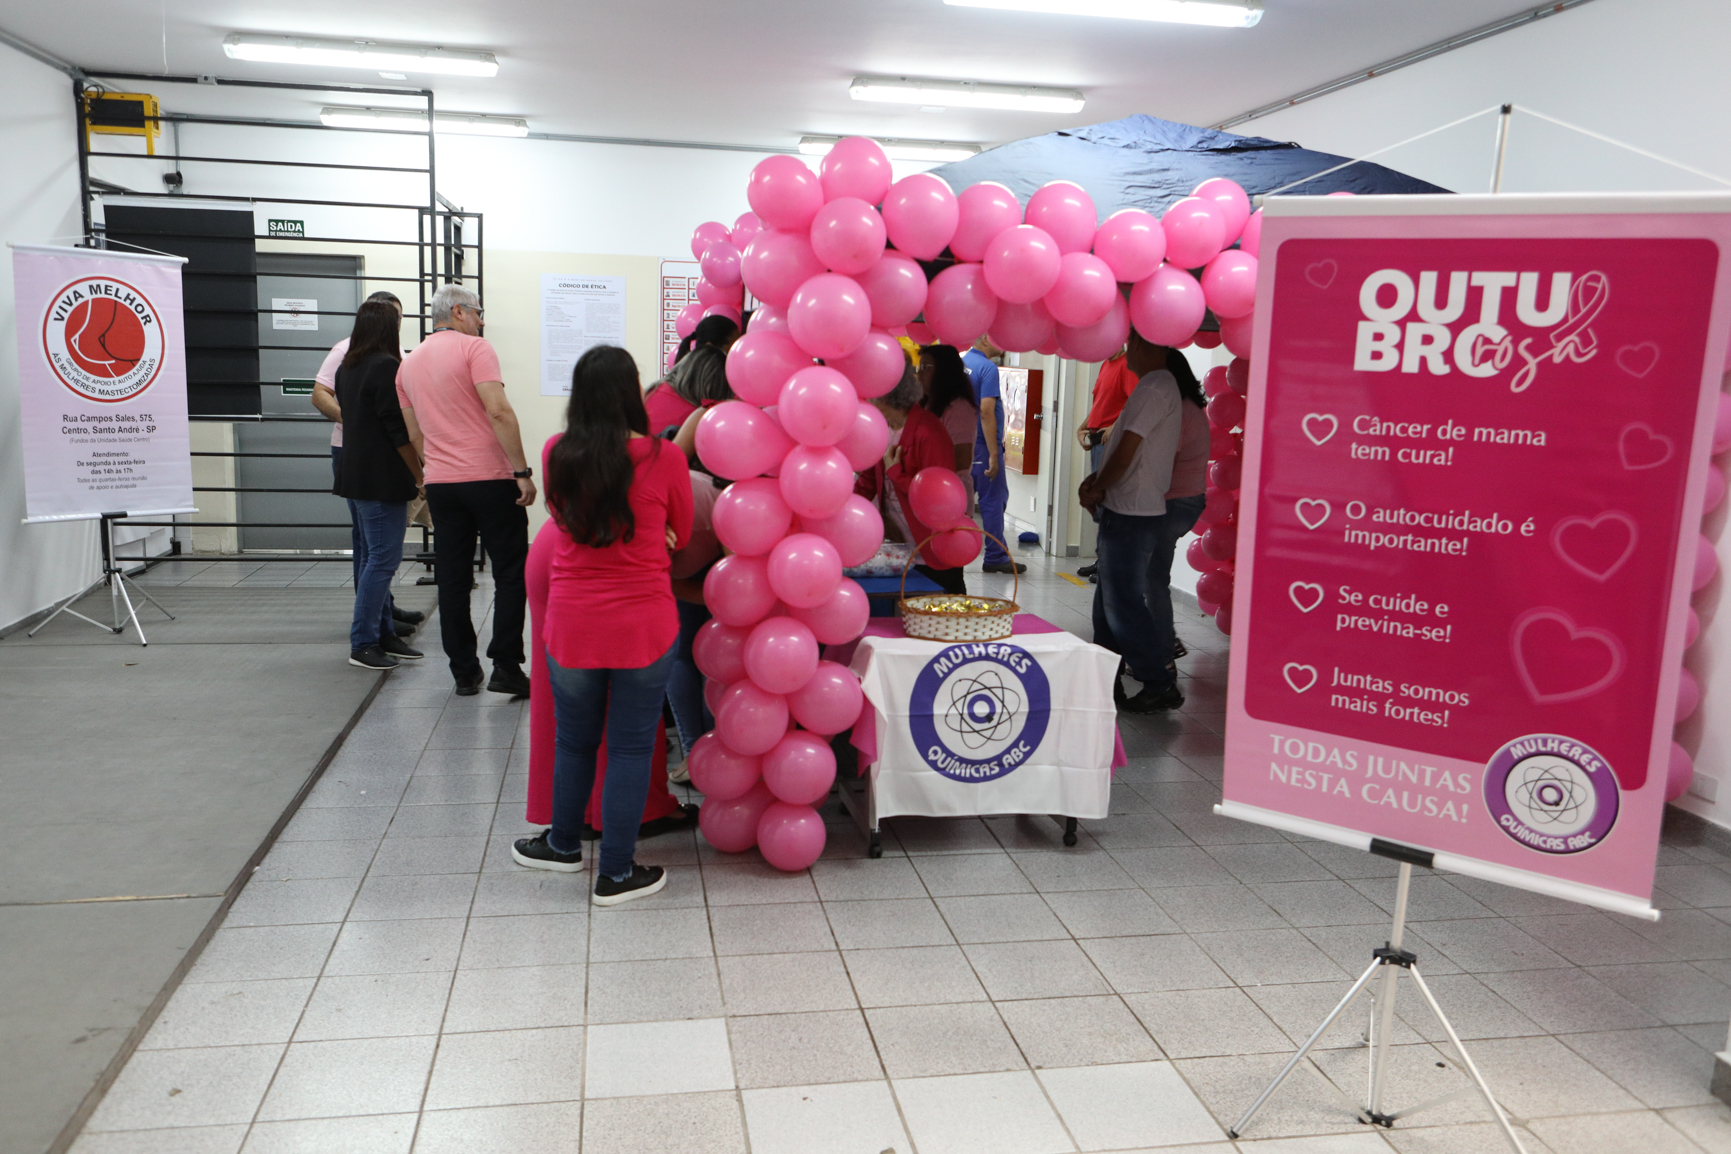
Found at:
(763, 73)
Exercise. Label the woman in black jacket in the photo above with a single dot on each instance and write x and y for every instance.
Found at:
(379, 474)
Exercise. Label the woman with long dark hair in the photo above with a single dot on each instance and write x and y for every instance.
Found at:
(698, 381)
(949, 396)
(622, 500)
(917, 442)
(379, 473)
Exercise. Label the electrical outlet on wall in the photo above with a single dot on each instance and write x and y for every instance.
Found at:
(1704, 787)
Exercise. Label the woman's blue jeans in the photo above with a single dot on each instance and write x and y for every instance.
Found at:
(623, 704)
(380, 526)
(1133, 601)
(685, 683)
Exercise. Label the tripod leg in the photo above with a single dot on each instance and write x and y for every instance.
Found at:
(131, 609)
(66, 606)
(145, 593)
(1466, 1060)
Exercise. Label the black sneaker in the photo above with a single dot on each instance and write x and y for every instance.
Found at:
(1152, 700)
(535, 853)
(400, 649)
(403, 628)
(408, 616)
(372, 657)
(1006, 567)
(644, 880)
(509, 679)
(1087, 570)
(470, 685)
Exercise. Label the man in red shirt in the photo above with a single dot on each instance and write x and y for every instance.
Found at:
(479, 484)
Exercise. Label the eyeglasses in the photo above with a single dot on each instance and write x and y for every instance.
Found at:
(479, 313)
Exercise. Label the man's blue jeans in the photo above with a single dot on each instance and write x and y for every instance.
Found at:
(994, 494)
(1133, 601)
(624, 704)
(381, 525)
(685, 683)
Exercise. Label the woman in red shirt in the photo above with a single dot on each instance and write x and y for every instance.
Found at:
(918, 440)
(698, 379)
(623, 501)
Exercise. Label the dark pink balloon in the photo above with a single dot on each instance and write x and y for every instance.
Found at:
(1083, 291)
(1196, 558)
(751, 719)
(847, 235)
(829, 315)
(856, 530)
(875, 365)
(718, 772)
(1229, 198)
(1022, 328)
(760, 362)
(1223, 619)
(830, 702)
(1237, 334)
(1228, 472)
(780, 654)
(719, 650)
(1221, 542)
(1194, 232)
(896, 288)
(784, 193)
(800, 769)
(1067, 214)
(1215, 586)
(1238, 376)
(750, 516)
(777, 263)
(737, 591)
(816, 481)
(1214, 381)
(938, 497)
(731, 826)
(954, 548)
(1132, 244)
(1226, 411)
(1102, 339)
(856, 167)
(921, 214)
(840, 619)
(959, 304)
(804, 570)
(791, 837)
(985, 210)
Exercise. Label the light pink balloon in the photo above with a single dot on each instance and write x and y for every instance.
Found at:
(829, 315)
(938, 497)
(1132, 244)
(896, 288)
(1236, 334)
(687, 319)
(855, 167)
(1083, 291)
(1022, 264)
(750, 516)
(731, 826)
(840, 619)
(804, 570)
(719, 650)
(751, 719)
(1168, 307)
(875, 365)
(800, 769)
(718, 772)
(921, 213)
(1022, 328)
(1250, 240)
(780, 654)
(1715, 489)
(745, 226)
(1229, 283)
(954, 548)
(984, 210)
(816, 480)
(830, 701)
(1343, 192)
(847, 235)
(784, 193)
(1679, 773)
(1706, 564)
(1066, 212)
(714, 294)
(777, 263)
(737, 590)
(1100, 340)
(736, 440)
(817, 406)
(1688, 695)
(705, 235)
(760, 362)
(1227, 196)
(856, 530)
(791, 837)
(959, 304)
(1692, 628)
(720, 263)
(1194, 232)
(766, 318)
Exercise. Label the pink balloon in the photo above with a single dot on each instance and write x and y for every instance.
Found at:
(856, 530)
(1688, 695)
(751, 719)
(719, 773)
(719, 650)
(731, 826)
(896, 288)
(959, 304)
(840, 619)
(750, 516)
(1083, 292)
(1066, 213)
(984, 210)
(1706, 564)
(804, 570)
(1206, 340)
(1221, 542)
(760, 362)
(745, 226)
(830, 701)
(1250, 240)
(687, 319)
(736, 440)
(1050, 348)
(847, 235)
(1692, 629)
(874, 366)
(714, 294)
(1197, 559)
(1194, 232)
(1213, 381)
(1221, 504)
(727, 311)
(855, 167)
(1214, 586)
(816, 481)
(1236, 334)
(954, 548)
(920, 213)
(705, 235)
(1132, 244)
(1022, 264)
(784, 193)
(1343, 192)
(1223, 619)
(1207, 607)
(1168, 307)
(829, 316)
(1226, 411)
(1230, 200)
(713, 689)
(1238, 376)
(767, 318)
(864, 443)
(780, 654)
(817, 406)
(1227, 473)
(1679, 773)
(777, 263)
(791, 837)
(1101, 339)
(1221, 443)
(1229, 283)
(938, 497)
(737, 590)
(1715, 489)
(1022, 328)
(1722, 425)
(720, 263)
(800, 769)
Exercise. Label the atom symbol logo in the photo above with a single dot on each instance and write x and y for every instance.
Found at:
(1551, 794)
(981, 709)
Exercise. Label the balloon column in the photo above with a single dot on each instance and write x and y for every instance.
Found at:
(1682, 768)
(1213, 553)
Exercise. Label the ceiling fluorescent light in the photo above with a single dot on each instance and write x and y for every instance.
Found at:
(1214, 13)
(408, 120)
(360, 54)
(965, 94)
(897, 149)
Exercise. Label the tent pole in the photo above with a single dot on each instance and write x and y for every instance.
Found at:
(1502, 146)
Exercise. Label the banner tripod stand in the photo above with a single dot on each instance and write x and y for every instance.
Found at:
(1391, 960)
(114, 576)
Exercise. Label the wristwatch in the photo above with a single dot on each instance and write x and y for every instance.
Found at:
(522, 474)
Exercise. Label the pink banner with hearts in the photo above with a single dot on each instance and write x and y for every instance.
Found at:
(1474, 462)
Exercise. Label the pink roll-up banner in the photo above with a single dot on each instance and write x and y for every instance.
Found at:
(101, 383)
(1476, 452)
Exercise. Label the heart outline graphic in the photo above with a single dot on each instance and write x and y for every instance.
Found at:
(1333, 427)
(1286, 672)
(1322, 273)
(1298, 509)
(1642, 427)
(1638, 360)
(1591, 524)
(1292, 592)
(1576, 633)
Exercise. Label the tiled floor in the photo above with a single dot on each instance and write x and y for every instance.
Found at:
(391, 981)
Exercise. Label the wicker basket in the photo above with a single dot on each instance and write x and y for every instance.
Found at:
(921, 620)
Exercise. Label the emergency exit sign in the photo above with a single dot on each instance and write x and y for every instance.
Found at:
(287, 227)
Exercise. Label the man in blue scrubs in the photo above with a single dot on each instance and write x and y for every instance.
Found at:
(990, 484)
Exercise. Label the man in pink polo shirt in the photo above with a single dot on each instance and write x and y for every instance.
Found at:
(479, 485)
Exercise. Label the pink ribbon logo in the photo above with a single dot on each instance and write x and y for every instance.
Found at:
(1573, 339)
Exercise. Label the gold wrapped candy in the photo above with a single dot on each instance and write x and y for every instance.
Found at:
(955, 605)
